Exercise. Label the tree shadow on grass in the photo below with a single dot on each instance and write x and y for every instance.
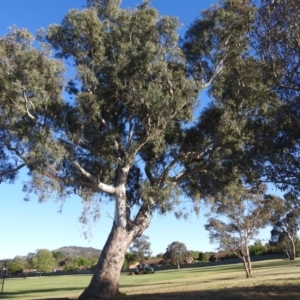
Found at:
(260, 292)
(12, 295)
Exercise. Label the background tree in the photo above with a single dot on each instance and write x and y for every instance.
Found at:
(258, 248)
(82, 261)
(285, 221)
(71, 265)
(29, 258)
(269, 43)
(203, 256)
(15, 266)
(141, 248)
(43, 261)
(160, 255)
(234, 222)
(195, 254)
(274, 43)
(58, 256)
(176, 253)
(130, 259)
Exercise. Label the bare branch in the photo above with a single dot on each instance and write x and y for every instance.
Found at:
(12, 170)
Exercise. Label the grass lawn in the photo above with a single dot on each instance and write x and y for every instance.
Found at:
(276, 279)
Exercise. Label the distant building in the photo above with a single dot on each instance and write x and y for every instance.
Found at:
(220, 256)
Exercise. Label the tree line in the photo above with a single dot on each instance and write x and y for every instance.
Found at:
(45, 261)
(132, 129)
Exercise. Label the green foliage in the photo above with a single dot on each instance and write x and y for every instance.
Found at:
(140, 249)
(285, 222)
(203, 256)
(14, 267)
(176, 253)
(159, 255)
(122, 135)
(57, 255)
(130, 258)
(43, 261)
(194, 254)
(237, 218)
(82, 261)
(71, 266)
(258, 248)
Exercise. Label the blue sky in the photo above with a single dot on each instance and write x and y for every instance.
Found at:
(28, 226)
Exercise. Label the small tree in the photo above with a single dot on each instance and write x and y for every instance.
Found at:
(203, 256)
(176, 253)
(160, 255)
(43, 261)
(285, 221)
(195, 254)
(235, 221)
(71, 266)
(129, 260)
(82, 261)
(258, 248)
(141, 248)
(58, 256)
(15, 267)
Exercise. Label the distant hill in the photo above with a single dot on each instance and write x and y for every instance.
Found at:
(74, 251)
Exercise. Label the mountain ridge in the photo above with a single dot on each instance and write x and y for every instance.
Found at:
(76, 251)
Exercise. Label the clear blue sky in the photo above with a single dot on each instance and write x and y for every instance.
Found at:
(28, 226)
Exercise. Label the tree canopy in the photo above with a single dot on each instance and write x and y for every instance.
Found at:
(43, 260)
(285, 221)
(177, 253)
(236, 220)
(140, 249)
(131, 130)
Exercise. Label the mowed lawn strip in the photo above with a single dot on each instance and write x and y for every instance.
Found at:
(276, 279)
(65, 286)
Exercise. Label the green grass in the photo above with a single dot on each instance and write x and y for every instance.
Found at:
(276, 279)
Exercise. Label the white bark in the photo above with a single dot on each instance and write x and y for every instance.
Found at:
(120, 207)
(120, 197)
(101, 186)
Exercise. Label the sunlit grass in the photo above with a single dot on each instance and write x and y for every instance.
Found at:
(271, 279)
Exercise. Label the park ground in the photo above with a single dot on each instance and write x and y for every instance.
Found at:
(276, 279)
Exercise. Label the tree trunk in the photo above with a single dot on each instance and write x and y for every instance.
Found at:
(292, 247)
(245, 263)
(105, 281)
(286, 250)
(249, 266)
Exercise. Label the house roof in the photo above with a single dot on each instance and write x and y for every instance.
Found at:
(154, 261)
(220, 255)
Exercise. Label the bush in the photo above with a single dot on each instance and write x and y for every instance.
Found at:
(203, 257)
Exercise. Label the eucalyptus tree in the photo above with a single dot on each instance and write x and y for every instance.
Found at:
(285, 221)
(236, 220)
(177, 253)
(121, 134)
(275, 43)
(260, 79)
(140, 248)
(43, 260)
